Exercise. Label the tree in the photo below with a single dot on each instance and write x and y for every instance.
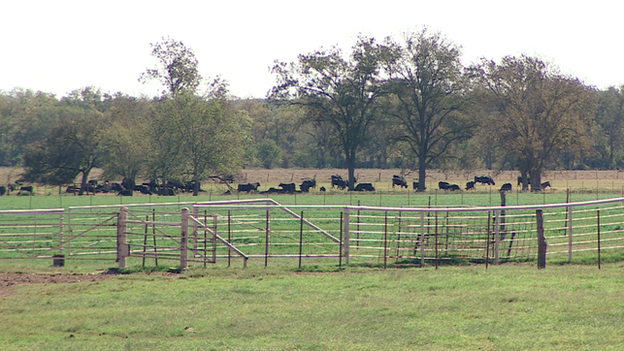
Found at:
(71, 148)
(539, 112)
(610, 117)
(269, 153)
(336, 91)
(428, 94)
(177, 67)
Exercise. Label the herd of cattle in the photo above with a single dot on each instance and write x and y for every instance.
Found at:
(173, 187)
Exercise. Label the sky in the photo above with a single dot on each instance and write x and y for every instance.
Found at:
(58, 46)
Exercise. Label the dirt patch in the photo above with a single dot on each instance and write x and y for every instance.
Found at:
(10, 280)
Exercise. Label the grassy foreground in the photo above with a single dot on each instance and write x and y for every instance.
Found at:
(508, 307)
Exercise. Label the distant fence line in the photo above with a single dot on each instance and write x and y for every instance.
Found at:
(264, 230)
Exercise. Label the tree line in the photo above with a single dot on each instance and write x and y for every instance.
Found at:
(408, 103)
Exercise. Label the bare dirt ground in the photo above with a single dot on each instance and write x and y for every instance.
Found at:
(9, 280)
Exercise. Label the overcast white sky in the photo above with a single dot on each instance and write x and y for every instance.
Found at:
(60, 46)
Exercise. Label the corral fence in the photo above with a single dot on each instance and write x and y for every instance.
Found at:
(265, 232)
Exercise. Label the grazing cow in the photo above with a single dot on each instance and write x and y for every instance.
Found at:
(116, 187)
(520, 181)
(443, 185)
(3, 190)
(398, 180)
(249, 187)
(545, 185)
(189, 187)
(484, 180)
(28, 189)
(338, 181)
(470, 185)
(415, 185)
(454, 187)
(288, 187)
(72, 189)
(176, 184)
(322, 188)
(144, 189)
(364, 187)
(506, 187)
(125, 192)
(307, 184)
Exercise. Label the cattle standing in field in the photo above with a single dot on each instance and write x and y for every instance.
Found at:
(545, 185)
(506, 187)
(249, 187)
(307, 184)
(125, 192)
(454, 187)
(144, 189)
(443, 185)
(415, 185)
(322, 189)
(520, 181)
(288, 187)
(3, 190)
(364, 187)
(486, 180)
(398, 180)
(337, 180)
(470, 185)
(26, 190)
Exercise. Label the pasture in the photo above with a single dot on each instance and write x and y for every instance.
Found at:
(274, 304)
(508, 307)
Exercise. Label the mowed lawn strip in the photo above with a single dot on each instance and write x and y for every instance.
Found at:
(509, 307)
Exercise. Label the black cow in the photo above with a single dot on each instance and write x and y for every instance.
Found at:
(144, 189)
(307, 184)
(338, 181)
(249, 187)
(322, 188)
(520, 181)
(28, 189)
(484, 180)
(454, 187)
(2, 190)
(125, 192)
(443, 185)
(545, 185)
(470, 185)
(364, 187)
(176, 184)
(415, 185)
(116, 187)
(398, 180)
(288, 187)
(72, 189)
(506, 187)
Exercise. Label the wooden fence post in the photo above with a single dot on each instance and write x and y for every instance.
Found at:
(347, 235)
(422, 238)
(184, 238)
(569, 233)
(541, 240)
(123, 250)
(195, 231)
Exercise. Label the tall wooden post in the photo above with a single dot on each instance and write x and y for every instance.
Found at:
(497, 236)
(195, 231)
(347, 235)
(569, 234)
(123, 249)
(184, 238)
(541, 240)
(422, 239)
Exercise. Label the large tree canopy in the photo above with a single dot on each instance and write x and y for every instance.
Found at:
(428, 94)
(338, 91)
(538, 112)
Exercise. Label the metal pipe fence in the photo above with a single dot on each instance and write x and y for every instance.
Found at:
(265, 232)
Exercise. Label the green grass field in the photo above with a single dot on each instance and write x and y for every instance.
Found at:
(510, 307)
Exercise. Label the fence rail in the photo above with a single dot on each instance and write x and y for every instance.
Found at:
(264, 230)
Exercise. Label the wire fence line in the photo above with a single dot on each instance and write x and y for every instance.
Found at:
(263, 231)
